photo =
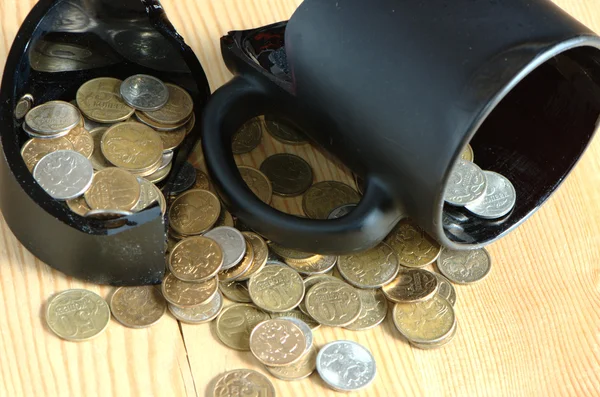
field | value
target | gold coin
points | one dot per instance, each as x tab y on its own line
243	382
322	264
194	212
82	141
424	322
370	269
413	246
142	118
178	108
113	189
247	138
333	303
34	149
236	322
374	307
78	206
185	294
468	153
292	254
77	314
300	316
138	307
299	370
277	342
311	281
148	171
100	100
99	162
172	139
199	314
261	254
160	175
439	343
202	181
132	146
411	285
235	272
276	289
225	219
236	291
196	259
323	197
257	182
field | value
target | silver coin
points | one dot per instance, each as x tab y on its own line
144	92
499	198
446	289
34	134
199	314
341	211
466	184
232	243
148	195
52	118
308	335
185	179
92	125
346	366
464	267
23	106
64	174
167	158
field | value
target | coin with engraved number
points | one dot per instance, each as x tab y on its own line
276	289
257	182
232	243
499	198
185	179
311	281
236	291
138	307
113	189
99	100
236	322
64	174
284	132
82	140
178	108
297	314
99	162
144	92
321	264
424	322
414	247
411	285
346	366
195	259
237	271
247	138
464	267
199	314
77	314
341	211
466	184
185	294
52	118
370	269
194	212
299	370
374	307
468	154
333	303
277	342
289	174
261	253
132	146
148	195
78	206
34	149
324	197
246	381
446	289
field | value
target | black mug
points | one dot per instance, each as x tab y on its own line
396	89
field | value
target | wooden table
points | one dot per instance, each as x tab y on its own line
531	328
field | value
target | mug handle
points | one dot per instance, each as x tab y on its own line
242	99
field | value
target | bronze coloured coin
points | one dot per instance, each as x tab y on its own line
324	197
276	289
178	108
299	370
132	146
468	153
374	308
277	342
99	162
195	259
185	294
289	174
194	212
78	206
236	291
225	219
320	264
172	139
142	118
235	272
370	269
413	246
284	132
333	303
202	181
34	149
99	100
82	140
113	189
247	138
257	182
261	254
411	285
199	314
424	322
246	381
292	254
138	307
236	322
310	281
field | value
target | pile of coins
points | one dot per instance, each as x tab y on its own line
103	153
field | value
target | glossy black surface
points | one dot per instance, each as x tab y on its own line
396	89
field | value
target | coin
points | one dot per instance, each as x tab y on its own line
23	106
199	314
247	138
132	146
290	175
195	259
113	189
108	214
77	314
291	254
148	195
465	267
257	182
235	272
295	313
468	154
202	181
172	139
414	247
82	140
99	162
185	294
276	289
185	179
411	285
324	197
284	132
465	184
99	100
225	219
34	134
369	269
178	108
232	243
360	184
64	174
322	264
499	198
236	291
34	149
161	201
137	307
142	118
310	282
248	382
194	212
144	92
277	342
333	303
346	366
52	118
78	206
438	343
236	322
341	211
160	174
306	330
424	322
261	252
446	289
301	369
373	310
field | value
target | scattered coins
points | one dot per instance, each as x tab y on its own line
346	366
138	307
247	138
323	197
464	267
246	381
289	174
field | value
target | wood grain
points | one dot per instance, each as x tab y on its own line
530	329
